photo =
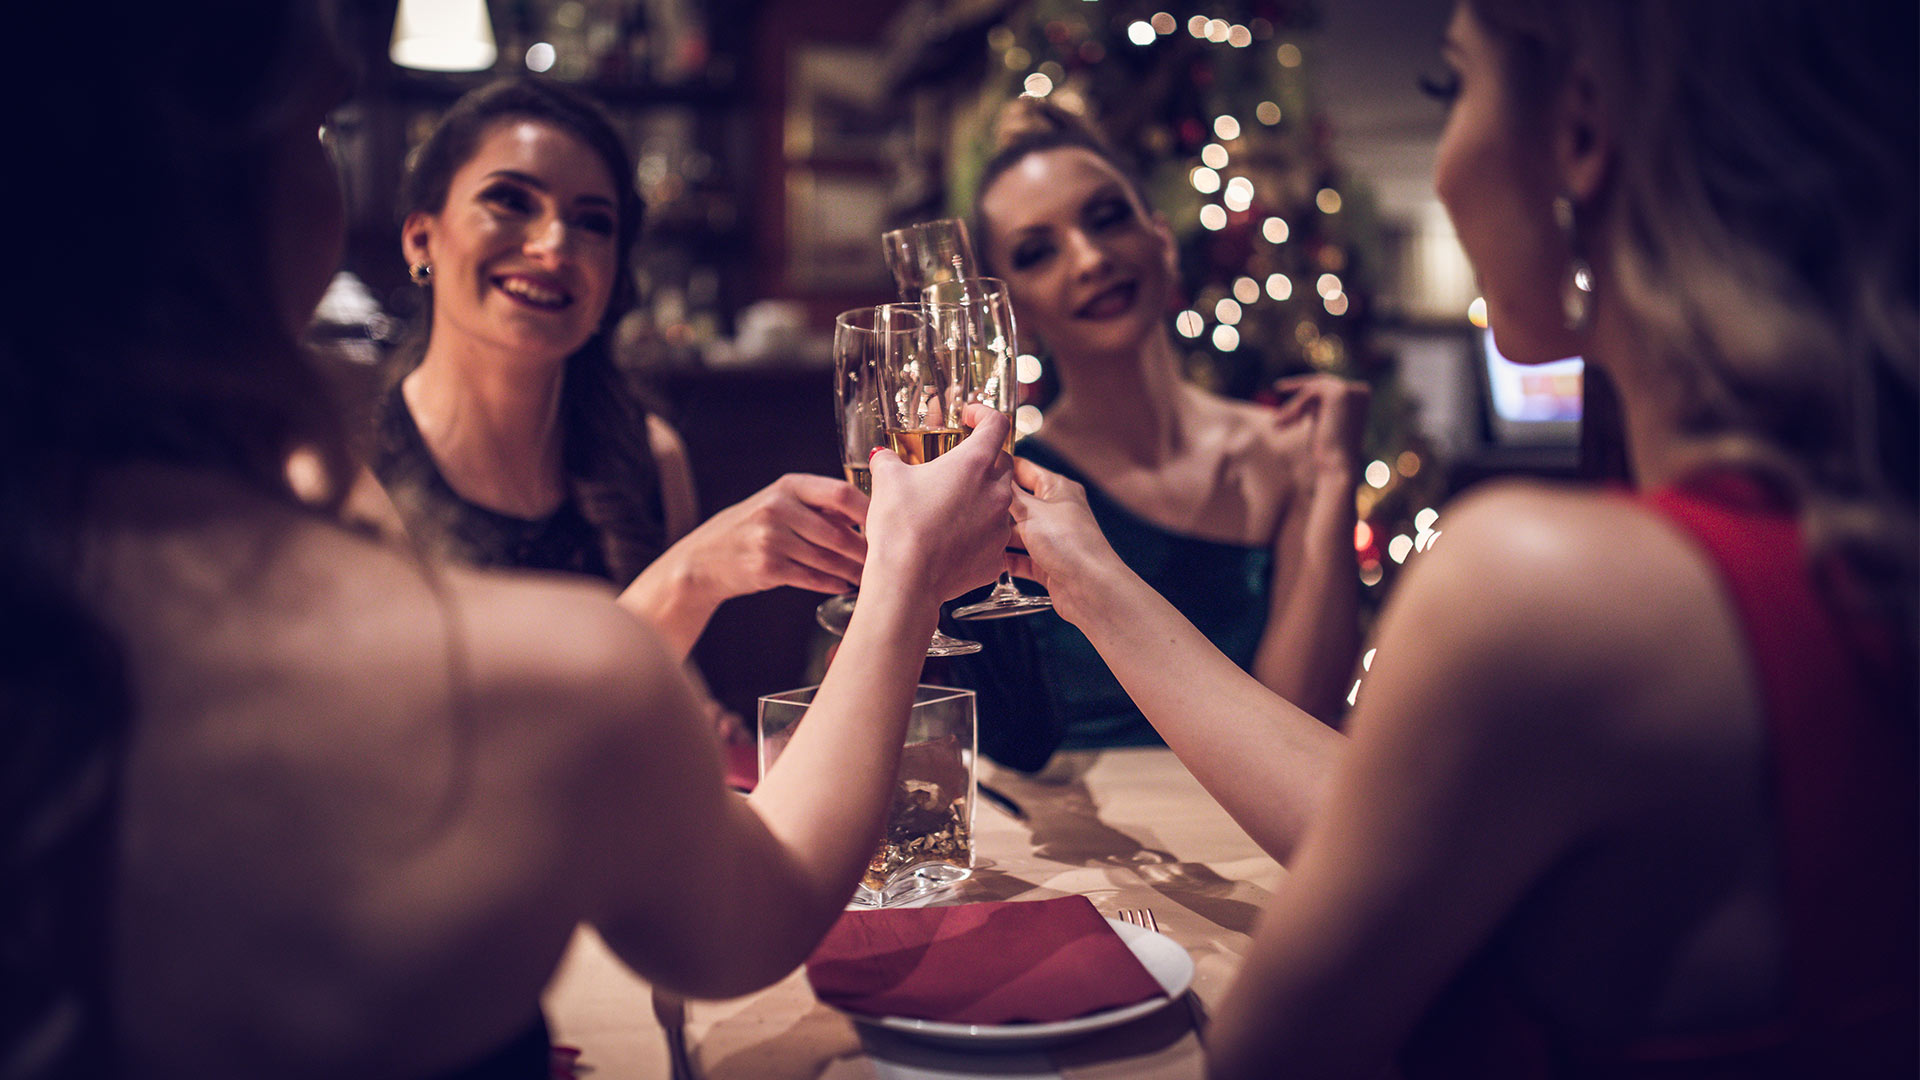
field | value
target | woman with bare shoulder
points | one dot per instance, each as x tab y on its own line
284	800
1240	514
1630	789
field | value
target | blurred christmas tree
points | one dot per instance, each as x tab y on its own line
1215	111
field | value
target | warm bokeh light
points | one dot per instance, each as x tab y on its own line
1227	311
1016	58
1205	180
1362	536
1328	200
1425	518
1214	156
443	35
1197	26
1246	290
1378	474
1164	23
1267	113
1239	194
1370	575
1279	286
1400	547
1141	33
1328	285
1226	338
1336	304
1477	312
1275	230
1213	217
540	56
1026	419
1027	368
1366	661
1038	85
1190	323
1239	36
1408	463
1288	54
1217	30
1226	127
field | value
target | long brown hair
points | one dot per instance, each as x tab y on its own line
143	326
1767	239
609	462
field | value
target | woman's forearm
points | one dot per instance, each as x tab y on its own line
1307	653
1263	759
820	800
672	596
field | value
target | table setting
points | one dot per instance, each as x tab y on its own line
1072	923
1119	830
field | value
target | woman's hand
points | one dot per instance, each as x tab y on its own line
1064	548
1336	409
945	521
800	530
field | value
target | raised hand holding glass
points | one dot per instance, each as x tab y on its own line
970	324
867	342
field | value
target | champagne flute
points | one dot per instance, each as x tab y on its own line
929	252
865	342
971	321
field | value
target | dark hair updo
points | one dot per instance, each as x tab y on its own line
1027	126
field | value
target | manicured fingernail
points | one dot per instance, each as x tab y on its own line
872	452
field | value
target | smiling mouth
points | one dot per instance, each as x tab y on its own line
1107	303
534	294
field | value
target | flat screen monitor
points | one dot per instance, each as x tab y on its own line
1531	404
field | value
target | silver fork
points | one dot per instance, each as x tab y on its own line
671	1012
1143	918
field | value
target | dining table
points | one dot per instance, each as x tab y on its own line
1128	828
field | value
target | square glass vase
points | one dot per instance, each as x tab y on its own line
928	845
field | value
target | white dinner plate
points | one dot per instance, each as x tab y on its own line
1165	960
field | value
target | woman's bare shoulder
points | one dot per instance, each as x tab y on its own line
1552	601
1254	433
557	642
675	470
509	644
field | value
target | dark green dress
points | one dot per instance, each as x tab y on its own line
1040	683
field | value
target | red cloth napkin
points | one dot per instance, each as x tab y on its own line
990	963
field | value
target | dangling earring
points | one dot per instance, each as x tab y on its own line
421	273
1576	291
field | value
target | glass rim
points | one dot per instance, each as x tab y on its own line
939	694
990	287
850	318
922	226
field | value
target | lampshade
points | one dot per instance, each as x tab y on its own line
443	35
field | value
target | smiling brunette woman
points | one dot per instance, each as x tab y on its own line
513	440
1241	515
278	799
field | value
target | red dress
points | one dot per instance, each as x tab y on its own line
1840	715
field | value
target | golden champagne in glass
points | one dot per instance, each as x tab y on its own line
867	342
